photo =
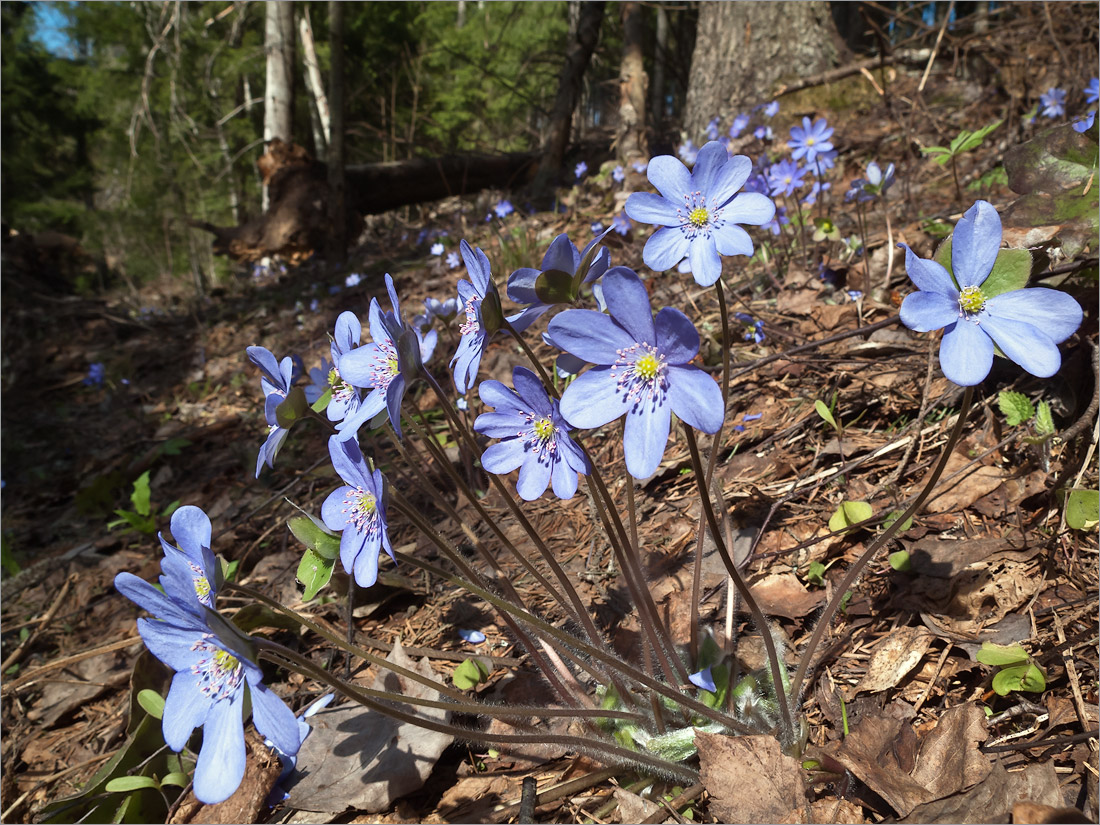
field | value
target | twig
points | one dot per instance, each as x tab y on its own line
25	645
936	47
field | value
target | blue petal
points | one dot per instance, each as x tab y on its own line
504	456
147	597
670	177
184	710
497	395
710	160
731	239
394	394
645	437
751	208
366	563
1025	344
696	398
929	276
499	425
521	286
665	248
262	358
274	720
677	339
730	177
703	679
191	530
628	303
589	335
531	390
534	478
593	399
1057	313
332	510
348	332
966	353
563	478
647	207
561	255
706	265
348	461
926	311
975	243
172	645
220	767
352	543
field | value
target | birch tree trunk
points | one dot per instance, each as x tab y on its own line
319	108
337	250
279	89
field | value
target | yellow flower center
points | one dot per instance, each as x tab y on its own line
810	141
971	300
544	429
698	216
647	366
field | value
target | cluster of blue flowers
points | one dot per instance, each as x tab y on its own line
1052	104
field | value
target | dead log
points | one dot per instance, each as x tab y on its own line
297	222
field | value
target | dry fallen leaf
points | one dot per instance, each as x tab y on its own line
750	779
894	657
871	752
949	760
991	800
782	594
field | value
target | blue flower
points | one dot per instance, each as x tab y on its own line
475	294
319	381
353	280
1085	123
712	129
504	208
699	212
809	140
738	125
876	183
621	223
1025	324
703	678
385	366
474	637
580	170
533	437
358	510
1092	91
642	370
780	220
763	133
785	177
815	190
772	109
445	311
688	152
452	260
824	162
95	375
214	670
618	174
190	570
437	249
275	382
1053	101
640	166
561	256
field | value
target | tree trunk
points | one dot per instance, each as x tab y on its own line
657	87
319	111
279	89
582	42
743	49
633	81
337	250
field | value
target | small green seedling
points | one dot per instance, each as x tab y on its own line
901	561
827	414
849	514
470	674
964	142
143	518
322	550
1018	409
816	574
1018	671
1083	509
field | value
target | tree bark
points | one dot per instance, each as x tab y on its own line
582	42
633	84
279	89
742	49
657	86
337	250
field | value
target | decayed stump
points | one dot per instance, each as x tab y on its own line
296	223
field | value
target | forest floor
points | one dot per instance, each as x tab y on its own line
992	558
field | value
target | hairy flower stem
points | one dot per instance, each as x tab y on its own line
618	754
866	253
712	460
854	571
759	619
802	231
546	382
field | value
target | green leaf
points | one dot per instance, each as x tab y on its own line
140	497
1028	677
1015	407
152	702
314	572
825	413
1011	269
1083	509
894	516
293	408
173	446
176	779
470	674
321	403
1044	421
315	536
848	514
900	561
816	574
122	784
1001	655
